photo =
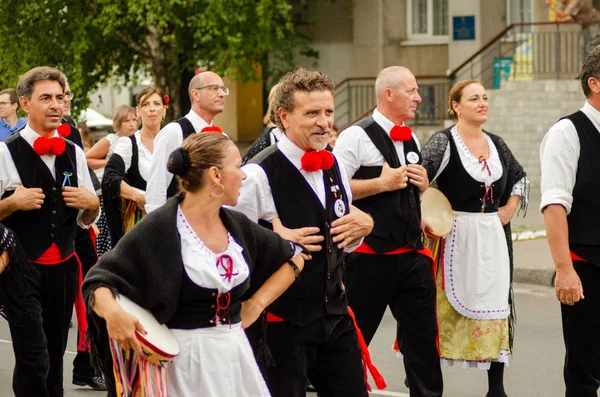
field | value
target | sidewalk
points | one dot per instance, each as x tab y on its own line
533	262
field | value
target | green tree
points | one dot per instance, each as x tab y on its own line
95	40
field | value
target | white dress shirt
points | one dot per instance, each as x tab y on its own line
167	140
124	148
474	168
559	155
354	148
9	176
256	198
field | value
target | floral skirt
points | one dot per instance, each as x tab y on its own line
472	343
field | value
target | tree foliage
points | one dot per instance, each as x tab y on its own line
94	40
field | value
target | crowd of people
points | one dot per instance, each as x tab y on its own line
276	269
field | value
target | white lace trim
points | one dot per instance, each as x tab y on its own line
141	148
201	263
503	356
472	164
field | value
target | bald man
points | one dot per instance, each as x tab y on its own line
207	96
383	158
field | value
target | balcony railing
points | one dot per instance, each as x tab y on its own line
522	51
355	99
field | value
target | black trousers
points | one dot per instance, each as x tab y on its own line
405	284
581	333
40	344
326	351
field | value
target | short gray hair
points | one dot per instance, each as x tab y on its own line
387	78
40	73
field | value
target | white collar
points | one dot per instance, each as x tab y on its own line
30	135
591	112
290	150
384	122
198	122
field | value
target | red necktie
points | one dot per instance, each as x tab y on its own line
400	133
317	160
54	146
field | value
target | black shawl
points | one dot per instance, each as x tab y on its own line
263	142
433	152
147	267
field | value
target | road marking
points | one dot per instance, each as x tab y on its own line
10	343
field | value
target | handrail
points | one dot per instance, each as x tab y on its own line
491	42
419	77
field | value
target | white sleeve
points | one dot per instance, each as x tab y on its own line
517	189
559	155
256	199
167	140
9	176
348	149
84	180
124	148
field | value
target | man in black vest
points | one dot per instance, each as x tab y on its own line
207	95
570	184
46	192
383	158
299	187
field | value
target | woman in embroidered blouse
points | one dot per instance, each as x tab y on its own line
485	184
197	250
128	169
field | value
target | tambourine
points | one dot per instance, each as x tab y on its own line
159	344
437	212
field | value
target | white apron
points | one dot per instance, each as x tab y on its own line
477	266
215	362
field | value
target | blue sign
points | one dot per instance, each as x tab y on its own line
463	28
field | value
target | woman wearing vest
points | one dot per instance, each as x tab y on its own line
485	185
128	169
199	252
125	124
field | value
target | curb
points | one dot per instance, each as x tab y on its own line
543	277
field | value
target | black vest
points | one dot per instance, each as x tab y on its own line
54	222
187	129
464	192
396	214
584	230
318	291
133	176
197	306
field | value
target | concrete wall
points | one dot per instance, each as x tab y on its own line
521	112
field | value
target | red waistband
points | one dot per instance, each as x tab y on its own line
365	249
51	256
576	257
273	318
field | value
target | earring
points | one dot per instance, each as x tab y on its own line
222	190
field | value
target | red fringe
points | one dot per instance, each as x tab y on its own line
366	357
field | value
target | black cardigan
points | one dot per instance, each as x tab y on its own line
147	267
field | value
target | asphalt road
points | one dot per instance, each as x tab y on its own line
535	369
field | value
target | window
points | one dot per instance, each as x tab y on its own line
427	20
520	11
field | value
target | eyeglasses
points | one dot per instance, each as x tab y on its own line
69	95
2	104
215	88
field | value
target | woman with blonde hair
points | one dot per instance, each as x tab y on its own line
202	256
128	169
485	185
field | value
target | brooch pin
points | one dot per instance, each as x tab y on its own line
67	179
